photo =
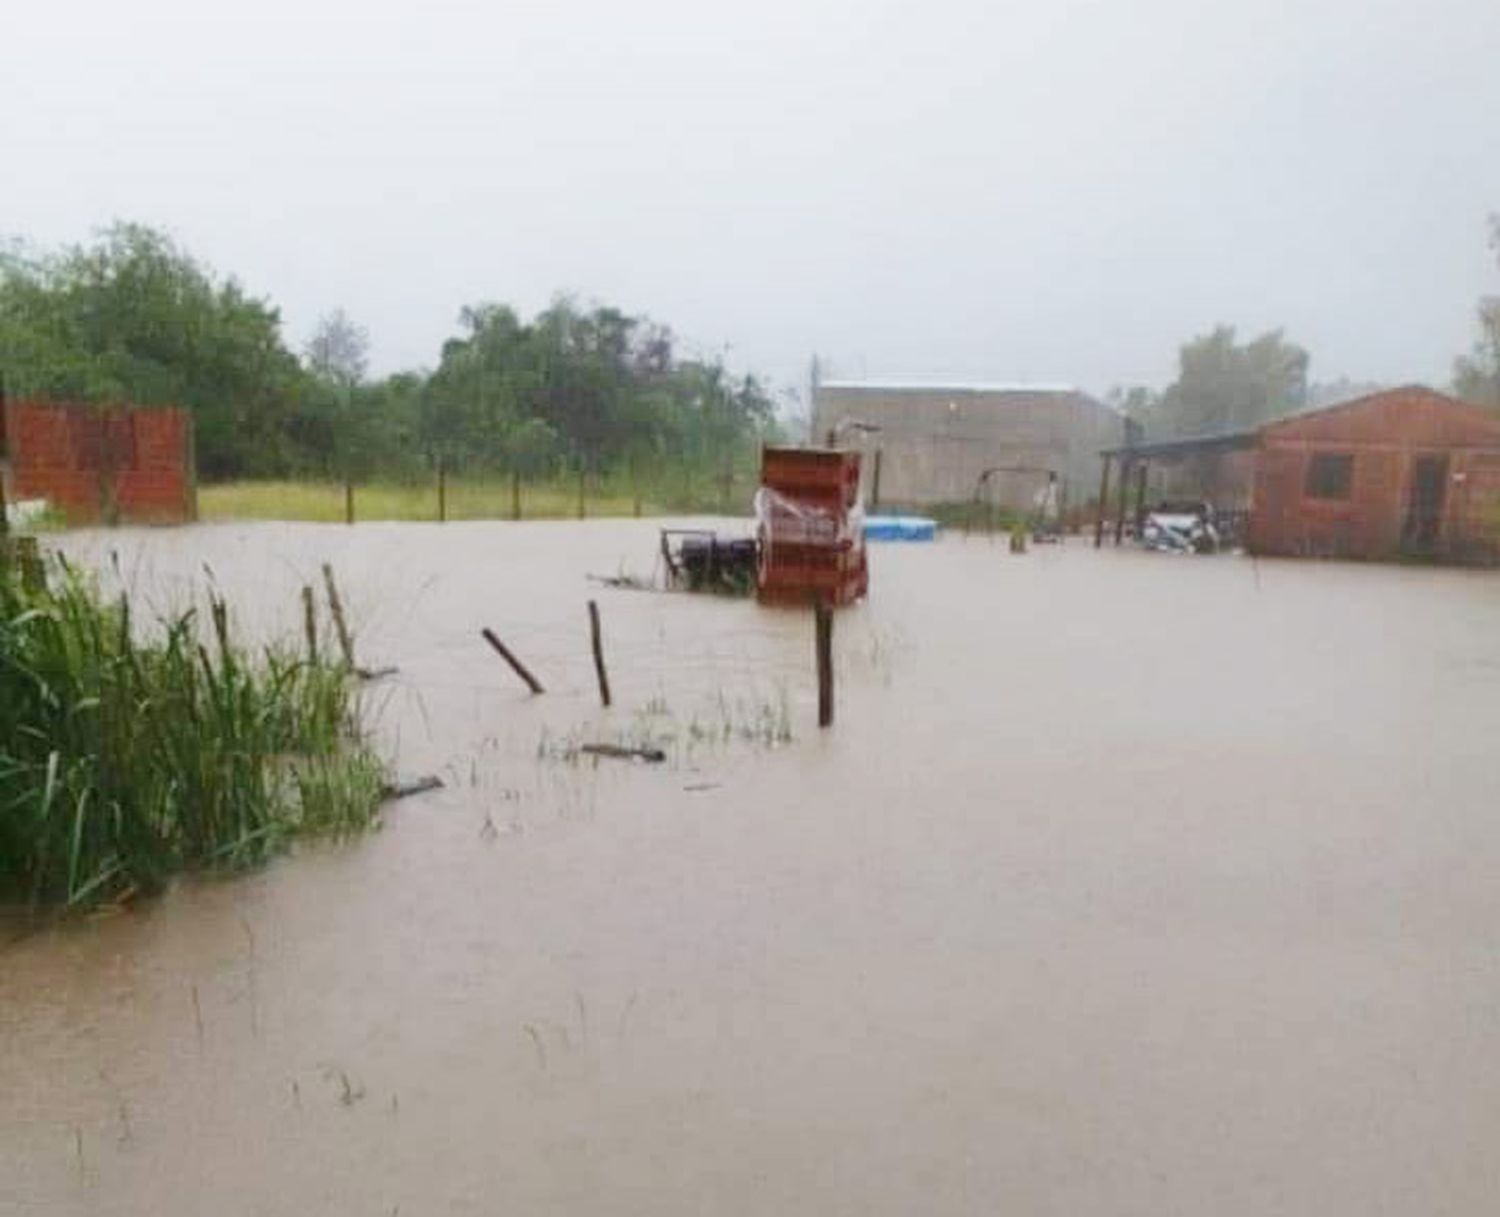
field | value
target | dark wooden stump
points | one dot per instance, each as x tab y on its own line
823	636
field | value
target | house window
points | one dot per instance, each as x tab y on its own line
1330	475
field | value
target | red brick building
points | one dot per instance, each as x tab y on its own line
91	463
1404	472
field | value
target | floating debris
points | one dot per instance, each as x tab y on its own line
654	756
633	583
402	790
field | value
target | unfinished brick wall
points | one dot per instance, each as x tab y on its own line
129	464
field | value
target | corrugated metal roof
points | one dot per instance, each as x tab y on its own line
1218	441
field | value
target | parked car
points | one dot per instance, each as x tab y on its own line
1182	526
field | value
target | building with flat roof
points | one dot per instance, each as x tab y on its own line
932	442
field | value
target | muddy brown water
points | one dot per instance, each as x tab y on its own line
1123	885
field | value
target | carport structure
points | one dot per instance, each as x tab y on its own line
1134	461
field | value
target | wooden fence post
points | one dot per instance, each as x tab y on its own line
310	624
581	491
823	640
442	475
348	501
515	495
598	645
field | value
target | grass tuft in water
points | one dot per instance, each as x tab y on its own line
759	721
123	762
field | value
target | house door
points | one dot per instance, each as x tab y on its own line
1424	505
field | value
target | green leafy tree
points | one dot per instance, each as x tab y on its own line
531	448
1476	376
1136	402
606	387
133	318
1223	385
339	350
334	409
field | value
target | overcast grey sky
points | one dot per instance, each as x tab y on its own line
1055	190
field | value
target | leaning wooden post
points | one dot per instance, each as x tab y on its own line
823	638
598	644
336	607
1124	493
1103	504
348	501
517	666
581	490
310	624
515	494
442	479
875	482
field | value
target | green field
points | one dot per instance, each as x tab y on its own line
468	498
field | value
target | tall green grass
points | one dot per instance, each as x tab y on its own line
124	761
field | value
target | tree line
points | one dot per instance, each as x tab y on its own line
132	317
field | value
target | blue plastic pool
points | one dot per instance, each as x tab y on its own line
900	528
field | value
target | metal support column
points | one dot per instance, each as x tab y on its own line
1140	496
1103	504
1125	466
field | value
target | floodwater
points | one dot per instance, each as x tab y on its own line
1123	884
